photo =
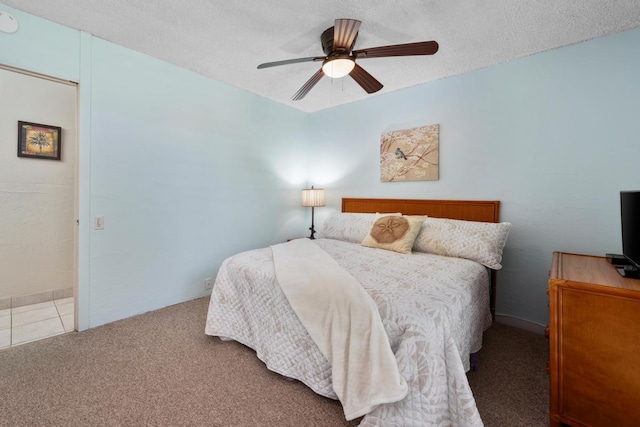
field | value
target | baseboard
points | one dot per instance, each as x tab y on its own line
520	323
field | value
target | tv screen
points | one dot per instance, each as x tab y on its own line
630	211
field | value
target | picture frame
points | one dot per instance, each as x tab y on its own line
39	141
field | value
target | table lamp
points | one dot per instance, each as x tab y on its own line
312	197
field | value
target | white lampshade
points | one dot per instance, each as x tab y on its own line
313	197
338	67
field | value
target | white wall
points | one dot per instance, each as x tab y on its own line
553	136
36	195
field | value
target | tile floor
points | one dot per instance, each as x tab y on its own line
28	323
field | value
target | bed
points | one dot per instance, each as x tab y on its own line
434	304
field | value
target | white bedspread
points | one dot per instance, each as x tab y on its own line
433	308
344	322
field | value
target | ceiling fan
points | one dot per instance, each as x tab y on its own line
340	58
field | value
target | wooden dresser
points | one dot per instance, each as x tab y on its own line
594	343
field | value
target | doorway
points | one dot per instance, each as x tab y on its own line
38	206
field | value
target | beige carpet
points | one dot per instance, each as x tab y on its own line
159	369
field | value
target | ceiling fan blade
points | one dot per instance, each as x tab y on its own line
291	61
344	33
407	49
366	80
304	90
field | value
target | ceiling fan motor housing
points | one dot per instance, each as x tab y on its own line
327	42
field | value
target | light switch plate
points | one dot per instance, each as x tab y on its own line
99	223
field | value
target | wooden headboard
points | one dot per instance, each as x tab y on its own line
469	210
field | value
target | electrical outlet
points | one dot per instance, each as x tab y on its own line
208	284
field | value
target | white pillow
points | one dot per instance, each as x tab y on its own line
478	241
394	233
348	227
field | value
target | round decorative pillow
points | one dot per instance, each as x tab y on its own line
388	229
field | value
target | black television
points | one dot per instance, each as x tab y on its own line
630	222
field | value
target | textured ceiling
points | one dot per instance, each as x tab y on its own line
226	40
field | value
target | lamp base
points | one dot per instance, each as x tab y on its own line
312	228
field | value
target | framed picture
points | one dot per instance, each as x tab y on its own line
39	141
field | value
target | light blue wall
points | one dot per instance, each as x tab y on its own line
554	137
185	170
41	46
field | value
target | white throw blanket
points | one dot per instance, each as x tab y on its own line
345	324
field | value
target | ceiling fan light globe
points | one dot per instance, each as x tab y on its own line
338	67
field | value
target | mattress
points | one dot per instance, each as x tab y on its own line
434	310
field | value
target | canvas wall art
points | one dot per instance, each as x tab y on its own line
410	154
